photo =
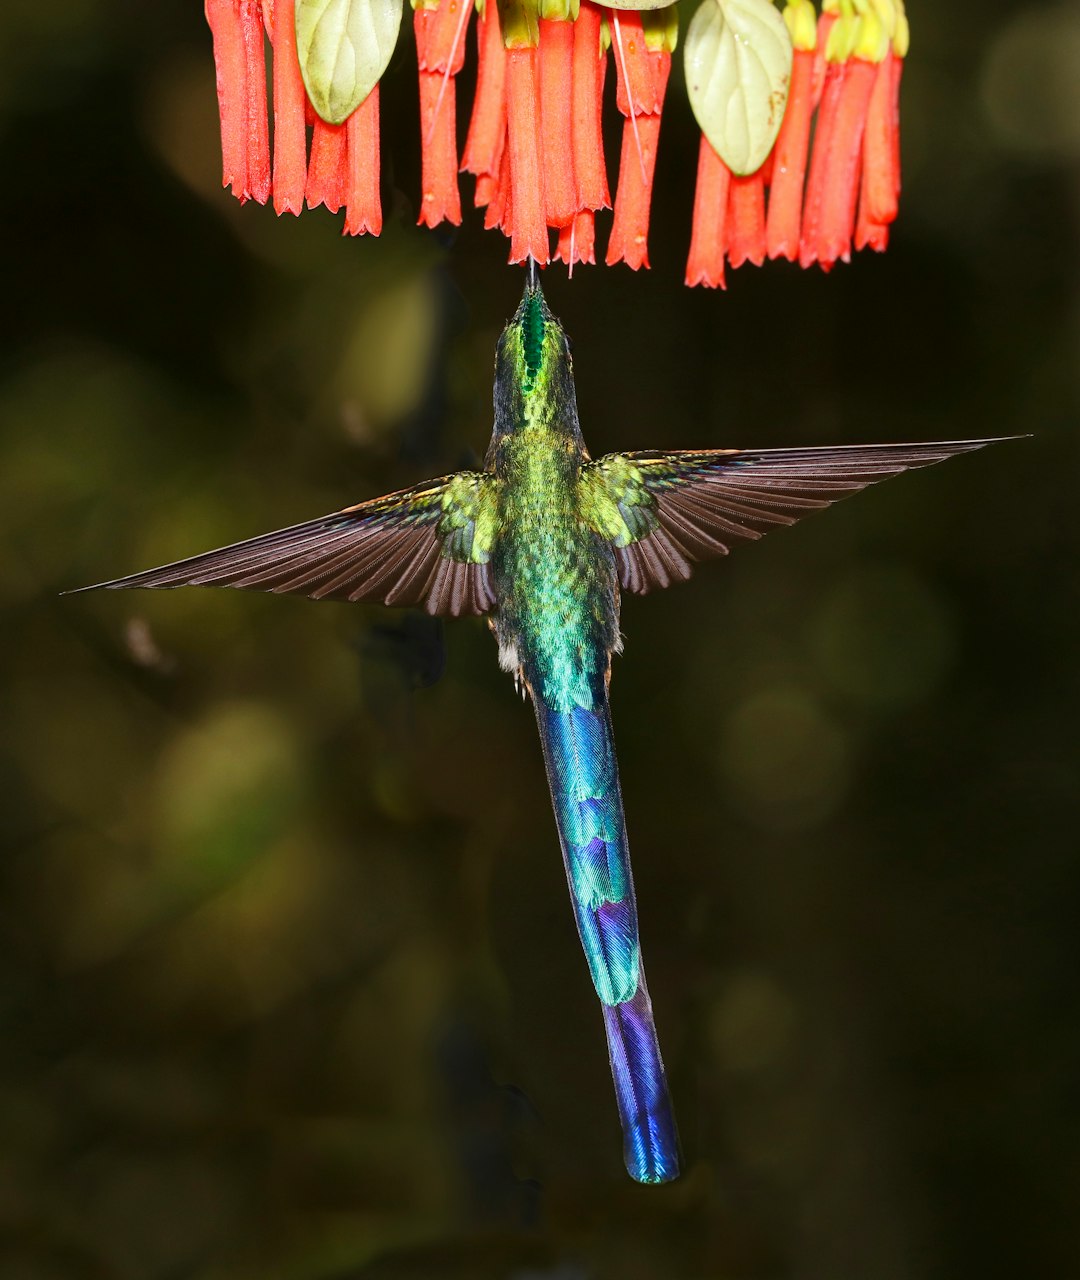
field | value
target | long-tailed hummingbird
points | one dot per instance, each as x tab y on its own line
542	542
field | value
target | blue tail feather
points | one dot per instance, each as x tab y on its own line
650	1140
609	935
580	756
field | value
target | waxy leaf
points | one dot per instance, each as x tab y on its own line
738	67
639	4
344	47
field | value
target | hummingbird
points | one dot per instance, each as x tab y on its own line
542	542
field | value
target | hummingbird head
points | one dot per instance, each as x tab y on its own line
534	380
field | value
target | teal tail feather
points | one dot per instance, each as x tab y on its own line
579	752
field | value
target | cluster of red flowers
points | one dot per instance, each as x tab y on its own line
342	170
811	203
535	142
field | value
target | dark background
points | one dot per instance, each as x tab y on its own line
290	984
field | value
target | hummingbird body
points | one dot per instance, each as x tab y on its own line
557	624
556	619
542	542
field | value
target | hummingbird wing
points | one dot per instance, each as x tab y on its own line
424	546
665	511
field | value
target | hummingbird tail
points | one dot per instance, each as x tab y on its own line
650	1139
579	753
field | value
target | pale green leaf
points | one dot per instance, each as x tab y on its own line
640	4
344	47
738	68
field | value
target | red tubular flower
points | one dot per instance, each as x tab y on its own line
842	155
868	234
240	59
789	162
228	32
486	186
660	65
290	103
819	163
635	92
746	219
641	134
440	35
830	75
487	128
577	242
589	70
879	193
555	54
498	209
881	152
708	242
440	54
327	177
363	208
440	199
258	177
629	241
825	24
897	75
528	228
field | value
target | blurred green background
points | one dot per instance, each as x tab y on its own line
290	984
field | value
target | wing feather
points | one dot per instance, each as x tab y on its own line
676	564
419	546
415	575
664	511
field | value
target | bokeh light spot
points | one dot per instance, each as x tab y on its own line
1030	83
785	761
752	1023
225	789
383	372
883	636
182	123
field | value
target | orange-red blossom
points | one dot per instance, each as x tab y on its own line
342	170
811	203
535	141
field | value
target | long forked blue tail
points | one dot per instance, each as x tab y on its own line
579	752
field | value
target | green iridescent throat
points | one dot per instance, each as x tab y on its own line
532	339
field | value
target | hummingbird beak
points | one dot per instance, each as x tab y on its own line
532	277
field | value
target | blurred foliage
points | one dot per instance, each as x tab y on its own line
289	983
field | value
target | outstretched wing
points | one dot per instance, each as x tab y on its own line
426	546
664	511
